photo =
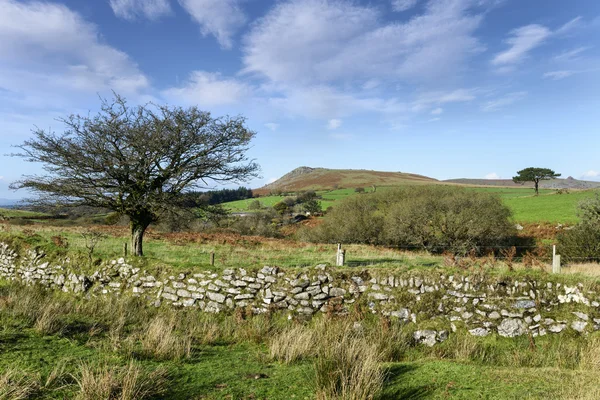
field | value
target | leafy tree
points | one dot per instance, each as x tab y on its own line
136	160
281	207
255	205
535	175
313	206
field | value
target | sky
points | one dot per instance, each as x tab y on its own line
443	88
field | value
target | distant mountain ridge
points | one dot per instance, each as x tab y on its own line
308	178
568	183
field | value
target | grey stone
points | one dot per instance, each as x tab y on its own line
581	315
336	292
511	327
427	337
378	296
216	297
479	332
524	304
579	326
183	293
494	315
557	328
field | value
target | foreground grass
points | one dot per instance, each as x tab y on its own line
96	349
190	250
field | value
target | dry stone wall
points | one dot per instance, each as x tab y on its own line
436	302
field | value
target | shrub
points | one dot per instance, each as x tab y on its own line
281	207
312	206
255	205
359	190
428	218
582	242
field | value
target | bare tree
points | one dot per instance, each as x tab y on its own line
137	160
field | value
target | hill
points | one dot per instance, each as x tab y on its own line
568	183
306	178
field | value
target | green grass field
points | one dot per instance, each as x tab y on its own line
12	213
547	207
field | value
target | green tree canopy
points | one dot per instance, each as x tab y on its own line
534	175
137	160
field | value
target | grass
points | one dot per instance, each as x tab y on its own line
109	348
14	213
192	250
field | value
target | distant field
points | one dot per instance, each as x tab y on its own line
11	213
547	207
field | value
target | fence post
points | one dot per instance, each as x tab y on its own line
340	256
555	261
212	258
124	249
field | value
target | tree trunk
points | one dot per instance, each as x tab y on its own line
137	235
536	186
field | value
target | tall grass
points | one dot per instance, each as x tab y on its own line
161	341
101	382
17	385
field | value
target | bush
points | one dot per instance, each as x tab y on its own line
255	205
428	218
582	242
359	190
312	206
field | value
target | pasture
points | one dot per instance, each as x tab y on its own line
549	206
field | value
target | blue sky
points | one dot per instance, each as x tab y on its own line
444	88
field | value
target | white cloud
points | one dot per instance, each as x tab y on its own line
426	100
318	41
403	5
557	75
49	51
437	111
132	9
220	18
569	26
333	124
521	42
433	119
1	178
209	89
501	102
591	174
492	175
571	54
272	126
323	101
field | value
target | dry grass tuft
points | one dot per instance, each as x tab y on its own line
128	383
17	385
161	341
293	344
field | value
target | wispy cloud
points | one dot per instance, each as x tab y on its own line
272	126
322	41
426	100
571	54
437	111
492	175
504	101
403	5
209	89
557	75
132	9
59	55
341	136
521	42
591	174
333	124
219	18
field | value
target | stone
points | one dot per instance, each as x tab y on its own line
336	292
494	315
524	304
511	327
216	297
378	296
581	315
183	293
557	328
481	332
426	337
579	326
403	313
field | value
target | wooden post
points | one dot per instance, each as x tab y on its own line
555	261
124	249
212	258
